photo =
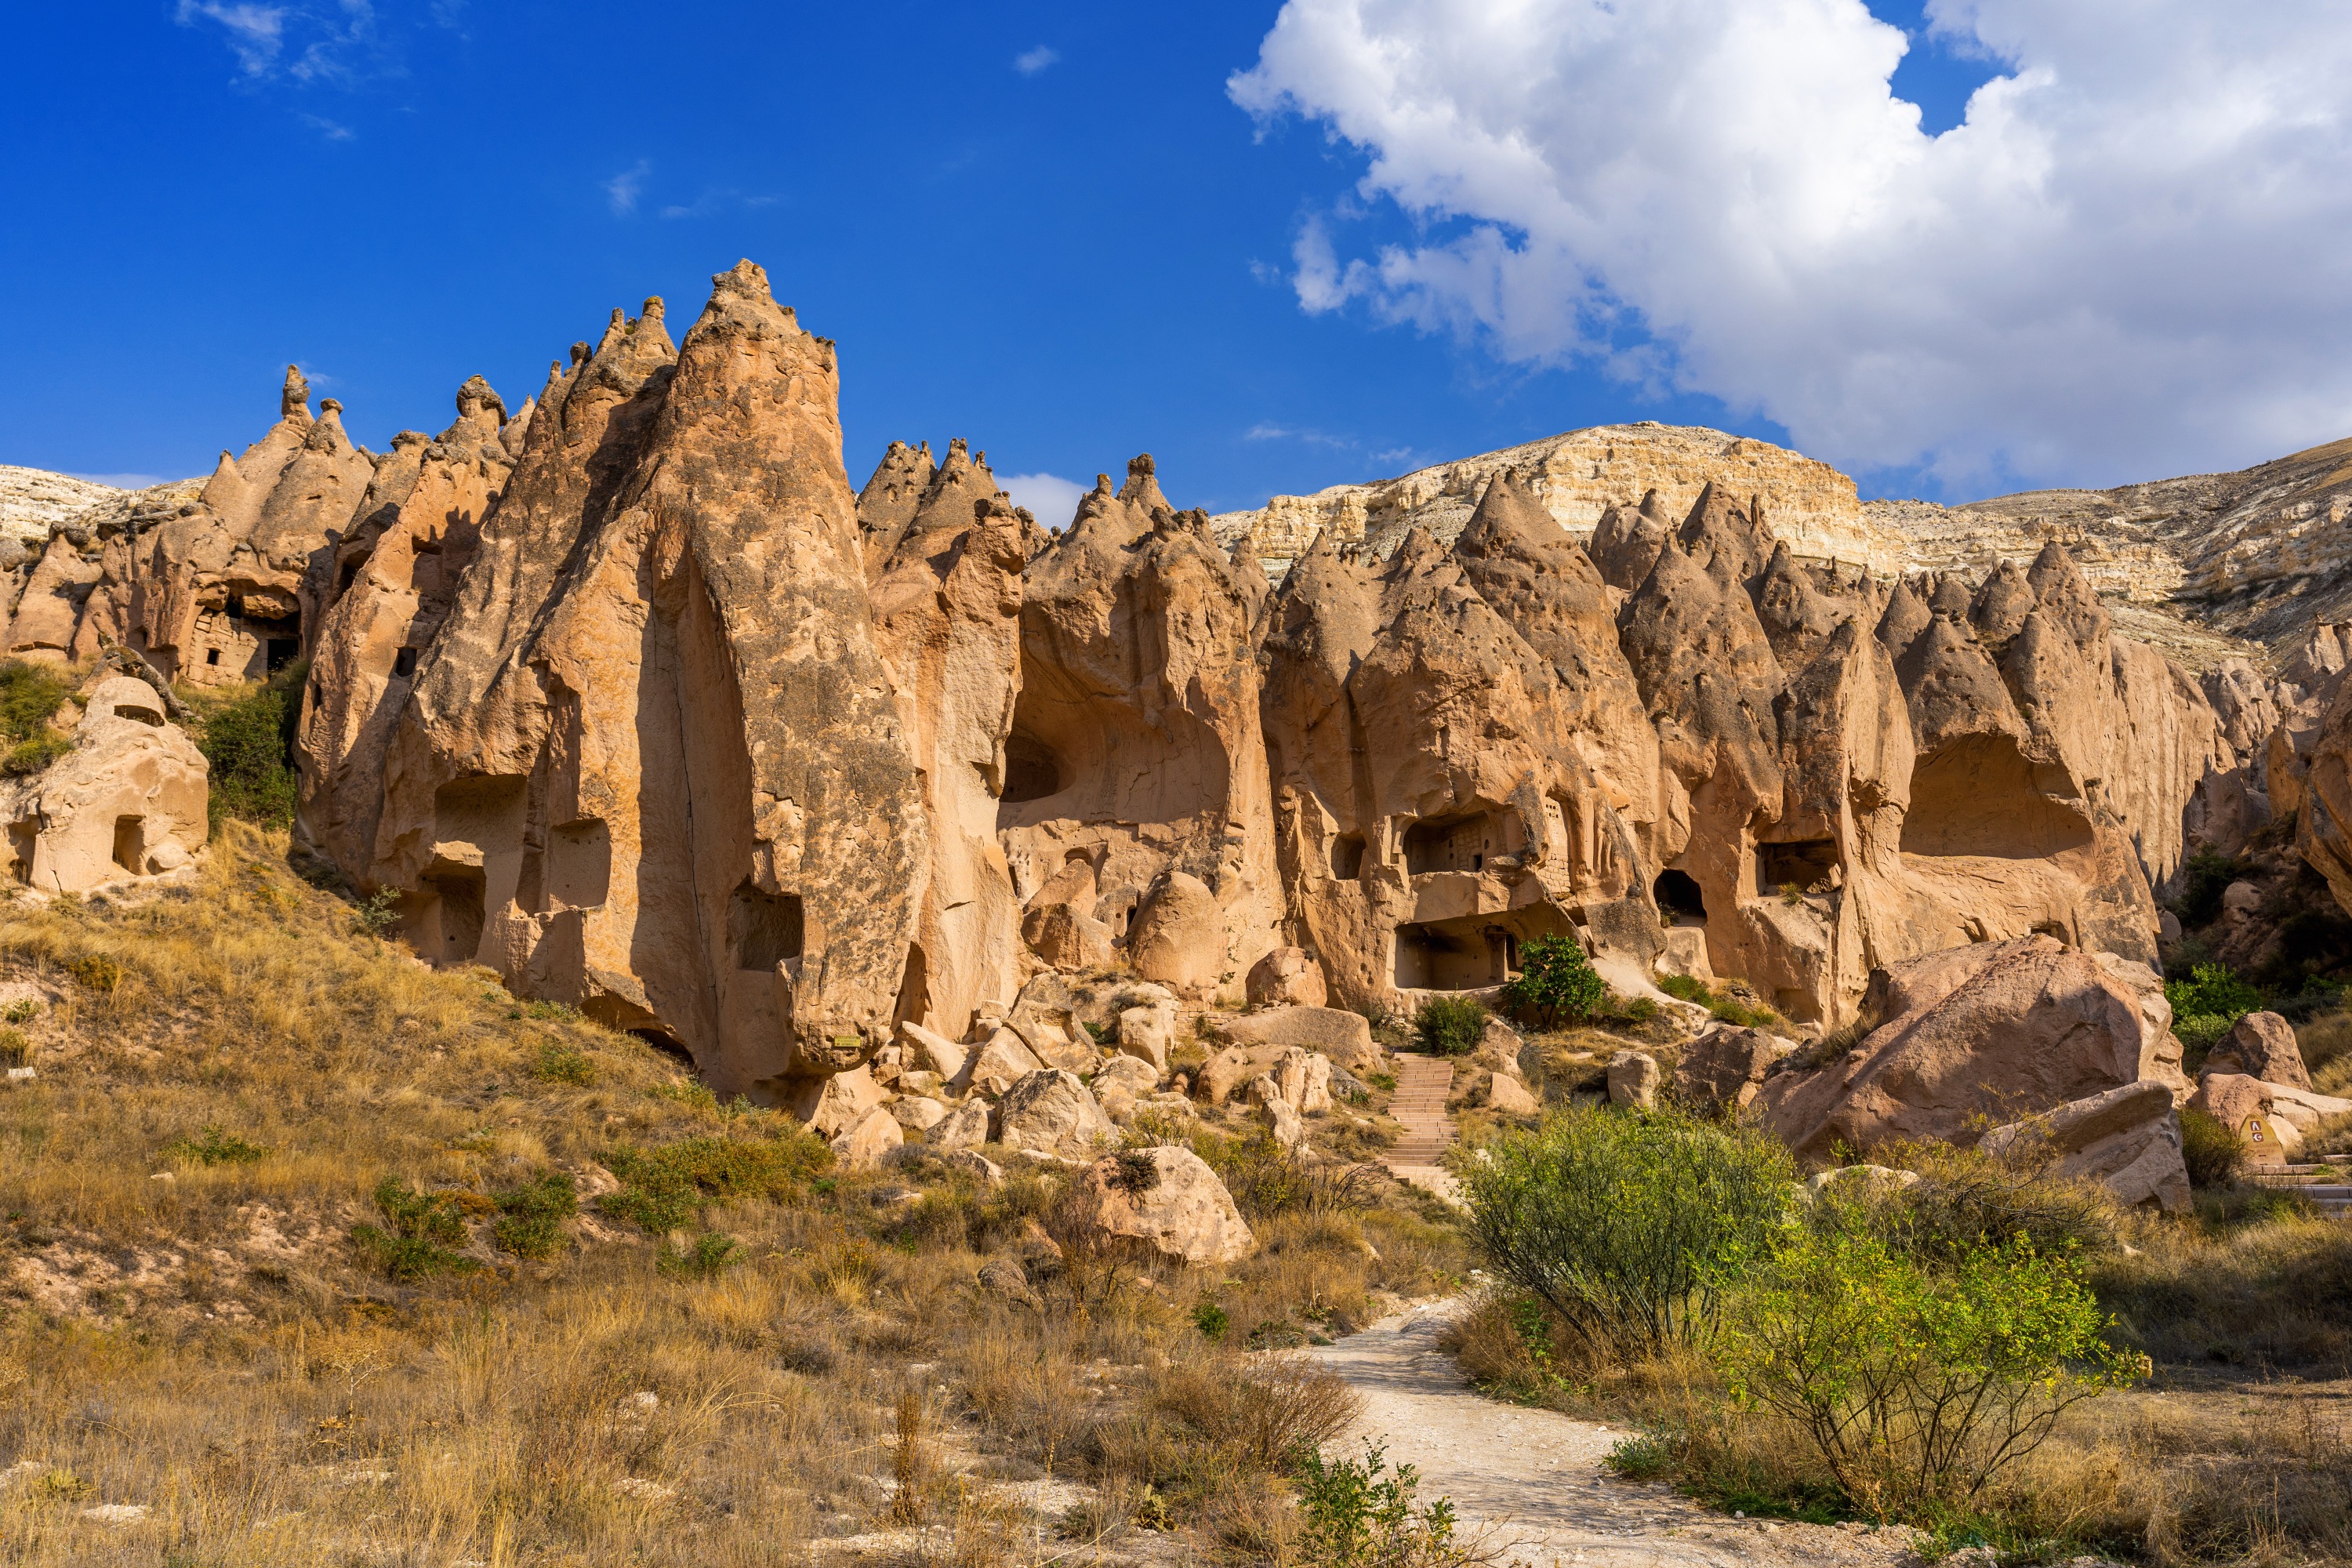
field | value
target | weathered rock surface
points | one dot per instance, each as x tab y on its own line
2262	1046
1345	1037
1633	1080
1167	1199
127	801
1051	1113
1723	1068
2127	1139
1286	977
2003	1030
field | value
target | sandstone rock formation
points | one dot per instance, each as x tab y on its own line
126	802
2127	1139
2262	1046
1168	1200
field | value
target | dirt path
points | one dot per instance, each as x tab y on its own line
1419	1106
1532	1479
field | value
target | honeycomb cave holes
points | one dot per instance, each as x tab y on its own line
1678	898
764	928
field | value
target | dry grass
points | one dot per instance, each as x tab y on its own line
215	1349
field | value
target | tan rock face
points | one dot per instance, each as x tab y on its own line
1997	1029
2262	1046
127	802
2127	1139
1170	1200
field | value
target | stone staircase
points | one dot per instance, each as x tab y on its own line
2328	1185
1419	1106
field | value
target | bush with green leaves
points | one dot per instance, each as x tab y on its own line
707	1257
30	694
214	1144
1627	1225
530	1216
559	1063
1359	1513
1556	983
2208	1003
2211	1149
2204	877
421	1233
1449	1026
1720	1005
664	1188
1915	1385
249	742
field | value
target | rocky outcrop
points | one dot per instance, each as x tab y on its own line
2127	1139
1995	1031
1167	1200
126	801
2262	1046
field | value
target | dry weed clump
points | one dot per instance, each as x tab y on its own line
319	1256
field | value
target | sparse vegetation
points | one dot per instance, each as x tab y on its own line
247	734
2208	1003
1721	1004
1555	983
1449	1026
30	696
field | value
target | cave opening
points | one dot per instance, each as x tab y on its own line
1678	897
1348	856
763	929
1032	771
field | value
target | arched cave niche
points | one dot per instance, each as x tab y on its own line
1032	770
1980	795
1678	897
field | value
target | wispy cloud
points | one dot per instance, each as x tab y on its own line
1029	62
712	203
255	33
1268	432
1051	498
327	128
620	192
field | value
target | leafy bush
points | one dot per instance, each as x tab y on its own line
2210	1148
1211	1320
30	695
708	1256
2211	990
1915	1386
1268	1178
425	1230
215	1145
1556	981
661	1189
95	972
2200	1032
530	1216
1966	1198
16	1050
24	1010
1358	1513
249	742
1449	1026
1626	1225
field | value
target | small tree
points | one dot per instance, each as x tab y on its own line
1449	1026
1626	1225
1556	981
1916	1386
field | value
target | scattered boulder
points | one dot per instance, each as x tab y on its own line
1633	1080
2272	1117
1290	1129
919	1112
1168	1199
1723	1068
1147	1030
863	1146
1305	1080
2125	1139
931	1052
1000	1063
1999	1031
1286	977
1223	1073
1507	1095
1128	1074
832	1106
1050	1112
1008	1281
1499	1049
978	1166
965	1126
2262	1046
1179	935
1345	1037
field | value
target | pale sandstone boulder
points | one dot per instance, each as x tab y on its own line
1505	1093
1131	1075
1169	1200
1633	1080
1179	935
2002	1029
1000	1063
1286	977
1147	1033
833	1105
865	1145
965	1126
2272	1117
2262	1046
1499	1049
128	801
1223	1073
978	1167
1068	938
2127	1139
1345	1037
1282	1120
1051	1113
919	1112
1723	1068
1118	1104
1304	1079
933	1052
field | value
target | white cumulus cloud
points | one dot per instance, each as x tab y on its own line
2129	261
1029	62
1051	498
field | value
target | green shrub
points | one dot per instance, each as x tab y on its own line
2199	1032
2204	877
249	742
422	1232
24	1010
2211	990
706	1257
30	695
1211	1320
1915	1386
1358	1513
16	1050
663	1188
1966	1198
1627	1225
1449	1026
1729	1009
216	1145
563	1064
95	972
2211	1149
530	1216
1556	981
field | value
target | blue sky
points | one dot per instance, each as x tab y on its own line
1047	228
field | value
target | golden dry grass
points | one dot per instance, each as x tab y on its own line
214	1350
